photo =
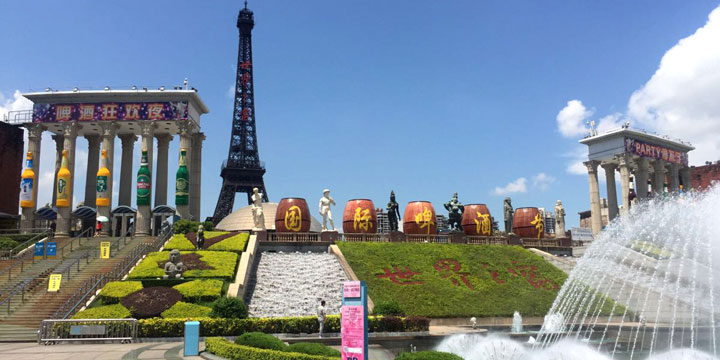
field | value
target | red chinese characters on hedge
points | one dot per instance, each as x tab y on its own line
450	269
529	273
400	277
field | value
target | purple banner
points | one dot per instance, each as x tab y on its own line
640	148
174	110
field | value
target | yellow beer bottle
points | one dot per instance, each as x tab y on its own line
102	197
63	183
27	183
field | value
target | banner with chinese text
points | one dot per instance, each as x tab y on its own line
640	148
119	111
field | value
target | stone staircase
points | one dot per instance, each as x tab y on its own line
26	314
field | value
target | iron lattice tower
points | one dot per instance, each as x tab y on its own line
243	170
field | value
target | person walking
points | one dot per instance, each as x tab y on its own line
321	316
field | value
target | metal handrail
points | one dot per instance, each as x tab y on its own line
12	253
18	288
53	331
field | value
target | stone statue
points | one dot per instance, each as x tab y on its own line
174	268
393	210
257	210
508	212
324	206
455	210
559	220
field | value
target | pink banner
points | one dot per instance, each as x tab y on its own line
351	289
353	332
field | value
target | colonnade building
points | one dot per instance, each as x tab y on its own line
647	158
153	116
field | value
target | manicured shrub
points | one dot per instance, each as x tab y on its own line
390	324
209	234
389	307
183	310
200	290
224	348
236	243
428	355
7	243
416	323
179	242
229	307
113	291
185	226
115	311
215	264
260	341
312	349
151	302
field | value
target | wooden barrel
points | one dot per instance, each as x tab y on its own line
476	220
419	218
293	215
359	217
525	223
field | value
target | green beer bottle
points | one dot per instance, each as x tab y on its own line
143	181
182	183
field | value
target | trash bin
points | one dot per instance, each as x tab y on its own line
192	338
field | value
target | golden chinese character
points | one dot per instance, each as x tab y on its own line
155	111
425	219
539	225
87	112
484	226
63	112
293	218
362	219
132	112
109	112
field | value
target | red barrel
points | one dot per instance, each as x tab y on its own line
293	215
476	220
420	218
528	222
360	217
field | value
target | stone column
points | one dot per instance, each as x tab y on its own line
59	142
685	177
92	169
64	213
674	177
658	181
126	175
611	190
144	214
595	215
108	143
641	178
27	218
186	127
624	166
161	174
196	175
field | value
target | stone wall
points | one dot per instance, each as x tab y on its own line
11	162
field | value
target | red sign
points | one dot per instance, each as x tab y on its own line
353	332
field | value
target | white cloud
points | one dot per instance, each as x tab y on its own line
542	181
18	102
571	119
517	186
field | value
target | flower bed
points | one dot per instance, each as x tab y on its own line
115	311
203	290
209	264
214	240
183	310
150	302
113	291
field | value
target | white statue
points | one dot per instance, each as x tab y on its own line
257	210
324	205
559	220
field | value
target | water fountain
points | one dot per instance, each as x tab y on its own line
646	288
517	324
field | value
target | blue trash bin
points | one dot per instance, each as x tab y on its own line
192	338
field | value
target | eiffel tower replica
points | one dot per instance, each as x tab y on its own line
242	171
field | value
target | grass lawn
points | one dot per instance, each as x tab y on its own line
453	280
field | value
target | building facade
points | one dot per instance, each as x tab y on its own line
703	177
11	162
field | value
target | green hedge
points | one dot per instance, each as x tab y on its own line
183	310
179	242
261	341
491	280
7	243
185	226
236	243
228	350
428	355
203	290
222	262
157	327
113	291
312	349
115	311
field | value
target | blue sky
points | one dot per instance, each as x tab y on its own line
423	97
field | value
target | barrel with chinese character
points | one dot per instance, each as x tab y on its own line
476	220
419	218
359	217
293	215
528	222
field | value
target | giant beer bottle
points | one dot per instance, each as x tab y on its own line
182	183
143	181
27	183
63	183
103	175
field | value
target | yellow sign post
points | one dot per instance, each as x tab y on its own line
54	282
105	250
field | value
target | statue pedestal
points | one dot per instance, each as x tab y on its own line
396	236
329	236
456	237
260	235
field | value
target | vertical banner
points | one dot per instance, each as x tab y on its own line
51	250
54	282
39	250
104	249
353	325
